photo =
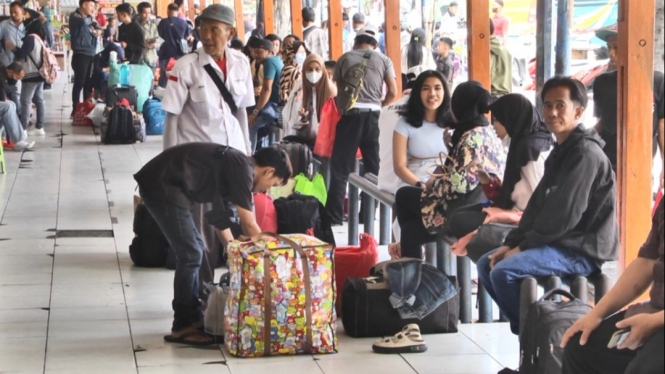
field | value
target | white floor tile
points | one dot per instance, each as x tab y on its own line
462	364
22	355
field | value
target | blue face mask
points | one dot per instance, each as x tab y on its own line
300	58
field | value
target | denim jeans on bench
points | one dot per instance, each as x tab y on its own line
503	282
178	226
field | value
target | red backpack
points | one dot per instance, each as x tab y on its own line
266	214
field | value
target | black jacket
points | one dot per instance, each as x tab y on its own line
574	206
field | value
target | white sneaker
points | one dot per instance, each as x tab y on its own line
23	145
36	132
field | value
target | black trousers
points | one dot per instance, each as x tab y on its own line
355	130
466	220
410	218
82	66
596	358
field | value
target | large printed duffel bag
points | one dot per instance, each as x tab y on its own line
282	297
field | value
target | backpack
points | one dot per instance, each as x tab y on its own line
301	157
120	129
544	326
49	70
299	214
154	116
351	84
150	247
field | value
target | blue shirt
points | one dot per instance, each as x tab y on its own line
172	29
9	32
272	69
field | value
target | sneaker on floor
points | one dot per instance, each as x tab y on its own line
23	145
36	132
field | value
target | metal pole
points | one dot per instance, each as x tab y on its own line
386	223
485	303
369	213
354	216
545	45
464	279
564	24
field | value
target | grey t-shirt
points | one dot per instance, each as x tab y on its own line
378	69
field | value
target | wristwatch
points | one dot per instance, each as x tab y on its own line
420	185
255	112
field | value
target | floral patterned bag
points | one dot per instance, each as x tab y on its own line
282	297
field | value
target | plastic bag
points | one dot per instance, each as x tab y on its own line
81	114
325	139
316	187
354	262
97	115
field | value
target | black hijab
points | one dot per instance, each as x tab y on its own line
529	138
469	104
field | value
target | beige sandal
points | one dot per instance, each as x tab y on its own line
408	340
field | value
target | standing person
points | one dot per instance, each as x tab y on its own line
294	57
358	23
416	54
84	33
197	111
32	90
182	11
586	342
9	119
266	110
48	14
277	43
12	31
315	38
449	21
172	29
151	35
501	66
444	62
185	176
605	95
569	226
110	34
501	22
317	88
130	34
359	126
101	19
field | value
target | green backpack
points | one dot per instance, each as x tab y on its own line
351	84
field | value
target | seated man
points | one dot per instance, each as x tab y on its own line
203	173
9	119
569	226
642	352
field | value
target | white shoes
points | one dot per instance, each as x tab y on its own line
23	145
33	131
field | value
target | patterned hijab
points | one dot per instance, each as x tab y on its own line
291	74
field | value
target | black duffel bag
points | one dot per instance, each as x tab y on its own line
367	311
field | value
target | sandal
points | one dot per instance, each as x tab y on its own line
182	339
408	340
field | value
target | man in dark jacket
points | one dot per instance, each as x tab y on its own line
84	32
569	226
172	30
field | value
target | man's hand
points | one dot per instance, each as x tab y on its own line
251	120
586	325
512	253
642	327
123	44
498	256
10	45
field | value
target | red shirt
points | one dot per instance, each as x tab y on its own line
500	26
222	67
101	19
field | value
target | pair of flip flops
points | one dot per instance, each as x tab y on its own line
185	339
409	340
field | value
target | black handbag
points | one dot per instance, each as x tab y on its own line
489	237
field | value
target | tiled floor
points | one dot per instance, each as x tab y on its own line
79	306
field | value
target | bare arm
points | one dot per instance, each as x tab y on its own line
266	91
392	91
400	145
248	222
225	236
170	131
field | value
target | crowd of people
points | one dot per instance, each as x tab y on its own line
451	167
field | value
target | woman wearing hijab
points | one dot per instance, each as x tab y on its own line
317	88
416	54
518	122
422	212
294	57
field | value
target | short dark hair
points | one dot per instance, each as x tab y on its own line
16	3
173	7
16	67
453	4
126	8
179	3
358	18
414	113
308	14
277	158
273	37
447	40
366	39
491	27
345	16
296	37
143	5
237	44
578	92
331	64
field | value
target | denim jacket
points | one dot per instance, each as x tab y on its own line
82	38
417	288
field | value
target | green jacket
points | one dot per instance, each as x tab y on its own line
501	65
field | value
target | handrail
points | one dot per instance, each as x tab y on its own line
371	189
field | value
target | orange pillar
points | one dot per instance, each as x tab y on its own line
216	1
335	28
393	31
478	15
269	14
636	43
240	19
296	17
192	10
162	8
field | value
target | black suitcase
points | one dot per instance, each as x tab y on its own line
367	311
116	94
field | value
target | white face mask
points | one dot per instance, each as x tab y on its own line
300	58
314	77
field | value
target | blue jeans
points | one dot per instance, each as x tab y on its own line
178	226
32	92
503	282
10	121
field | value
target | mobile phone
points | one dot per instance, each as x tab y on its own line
619	338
